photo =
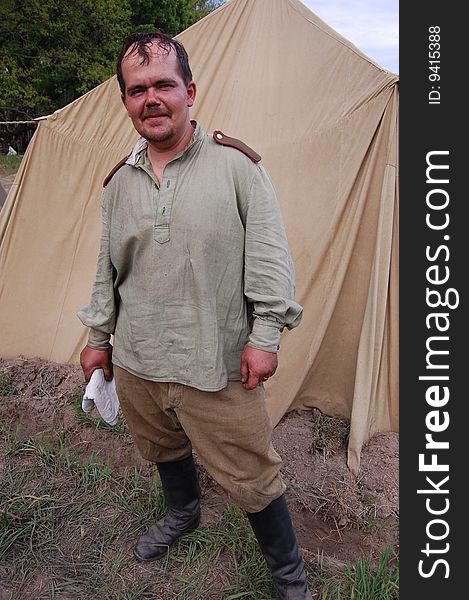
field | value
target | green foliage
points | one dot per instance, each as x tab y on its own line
9	164
201	8
52	51
169	16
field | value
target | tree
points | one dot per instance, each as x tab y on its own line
201	8
53	51
170	16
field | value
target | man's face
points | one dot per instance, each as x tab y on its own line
156	97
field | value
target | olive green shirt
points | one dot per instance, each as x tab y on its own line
191	269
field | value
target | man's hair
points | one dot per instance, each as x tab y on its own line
139	43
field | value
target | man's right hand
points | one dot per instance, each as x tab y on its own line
91	359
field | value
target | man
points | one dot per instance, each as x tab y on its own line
195	282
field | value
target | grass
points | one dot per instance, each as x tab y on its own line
328	434
7	388
73	522
68	524
9	164
365	581
96	422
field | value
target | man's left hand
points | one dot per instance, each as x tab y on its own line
257	366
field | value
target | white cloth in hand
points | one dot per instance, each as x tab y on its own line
103	395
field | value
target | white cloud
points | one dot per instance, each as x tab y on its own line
371	25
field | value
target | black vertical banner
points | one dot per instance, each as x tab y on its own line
434	259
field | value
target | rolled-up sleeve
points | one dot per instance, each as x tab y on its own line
100	314
269	279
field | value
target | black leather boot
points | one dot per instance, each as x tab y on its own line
273	529
182	494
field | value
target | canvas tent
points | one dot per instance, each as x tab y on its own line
324	118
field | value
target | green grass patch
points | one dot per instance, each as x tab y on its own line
68	526
225	556
7	388
9	164
364	581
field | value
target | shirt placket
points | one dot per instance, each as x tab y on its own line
165	198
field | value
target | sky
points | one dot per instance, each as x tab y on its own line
371	25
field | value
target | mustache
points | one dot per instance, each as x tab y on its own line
156	113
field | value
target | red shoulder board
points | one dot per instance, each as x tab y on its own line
224	140
120	164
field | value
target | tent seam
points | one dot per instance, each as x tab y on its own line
340	39
86	144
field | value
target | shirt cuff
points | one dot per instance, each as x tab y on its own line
98	340
264	336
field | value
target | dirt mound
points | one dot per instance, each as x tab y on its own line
37	378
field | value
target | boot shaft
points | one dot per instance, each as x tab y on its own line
182	494
274	531
180	482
